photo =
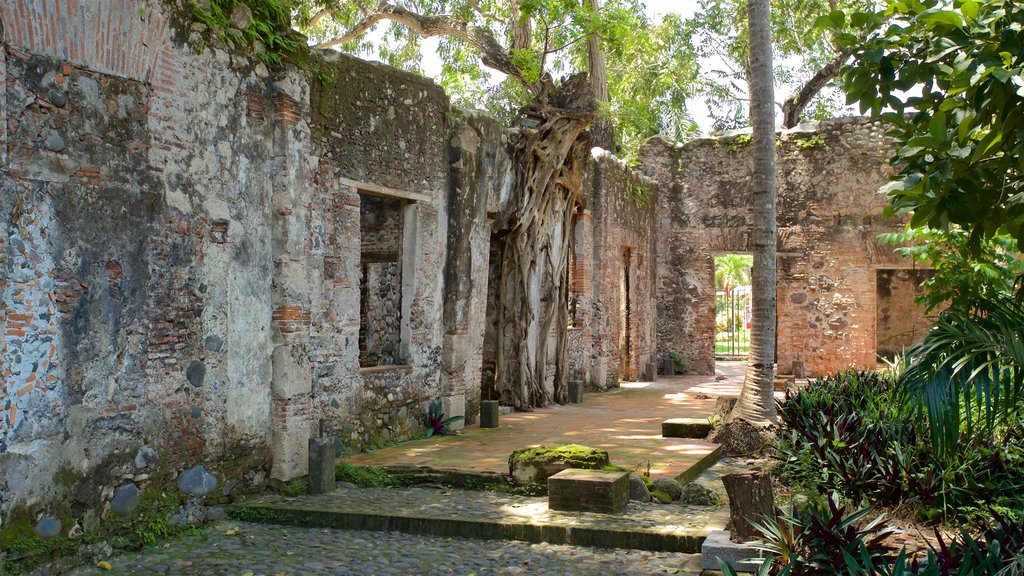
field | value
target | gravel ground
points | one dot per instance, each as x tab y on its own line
245	549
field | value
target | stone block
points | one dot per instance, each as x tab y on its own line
741	557
685	428
578	490
290	450
575	392
650	372
321	465
127	499
489	413
291	373
452	406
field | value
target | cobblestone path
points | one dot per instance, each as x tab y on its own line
245	549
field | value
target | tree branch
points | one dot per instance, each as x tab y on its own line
319	16
795	104
492	53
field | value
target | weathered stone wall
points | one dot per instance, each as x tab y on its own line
377	132
137	263
900	321
613	265
481	180
829	214
180	255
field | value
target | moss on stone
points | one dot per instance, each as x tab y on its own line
294	487
661	496
574	456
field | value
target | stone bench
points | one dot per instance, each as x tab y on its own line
686	428
577	490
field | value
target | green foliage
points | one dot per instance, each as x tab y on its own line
863	436
270	28
732	270
638	194
363	476
968	371
823	541
964	273
808	143
718	31
678	361
650	66
961	159
737	143
812	540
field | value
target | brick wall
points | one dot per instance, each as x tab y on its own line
829	215
614	253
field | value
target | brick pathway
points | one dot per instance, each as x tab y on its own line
626	422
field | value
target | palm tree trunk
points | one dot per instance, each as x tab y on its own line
757	402
601	132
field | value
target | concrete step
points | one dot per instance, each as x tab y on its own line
491	516
686	428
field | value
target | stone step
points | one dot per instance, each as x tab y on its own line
686	428
491	516
700	466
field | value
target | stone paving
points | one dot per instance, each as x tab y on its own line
626	422
245	549
490	515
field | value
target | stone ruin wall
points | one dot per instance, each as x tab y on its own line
615	224
179	246
829	215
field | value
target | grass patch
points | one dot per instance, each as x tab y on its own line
364	476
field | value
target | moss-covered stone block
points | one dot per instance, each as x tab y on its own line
535	465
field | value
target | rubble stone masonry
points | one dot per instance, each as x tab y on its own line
829	215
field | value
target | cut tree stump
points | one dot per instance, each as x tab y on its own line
750	500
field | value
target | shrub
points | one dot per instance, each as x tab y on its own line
813	540
861	436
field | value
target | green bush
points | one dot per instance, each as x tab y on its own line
863	437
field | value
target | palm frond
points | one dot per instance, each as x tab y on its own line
968	371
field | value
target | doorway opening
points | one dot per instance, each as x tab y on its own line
732	305
625	318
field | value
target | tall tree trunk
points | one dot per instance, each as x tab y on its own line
757	400
534	230
602	132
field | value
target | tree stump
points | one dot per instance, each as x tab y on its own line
750	501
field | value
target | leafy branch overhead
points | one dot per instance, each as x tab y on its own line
497	54
961	160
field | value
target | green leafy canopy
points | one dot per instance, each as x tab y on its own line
651	68
947	78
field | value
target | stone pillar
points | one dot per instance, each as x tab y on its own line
291	382
575	392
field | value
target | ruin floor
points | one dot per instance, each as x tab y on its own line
626	422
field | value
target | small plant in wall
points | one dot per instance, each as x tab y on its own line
434	420
679	363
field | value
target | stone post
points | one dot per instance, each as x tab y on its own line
321	464
489	413
575	392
